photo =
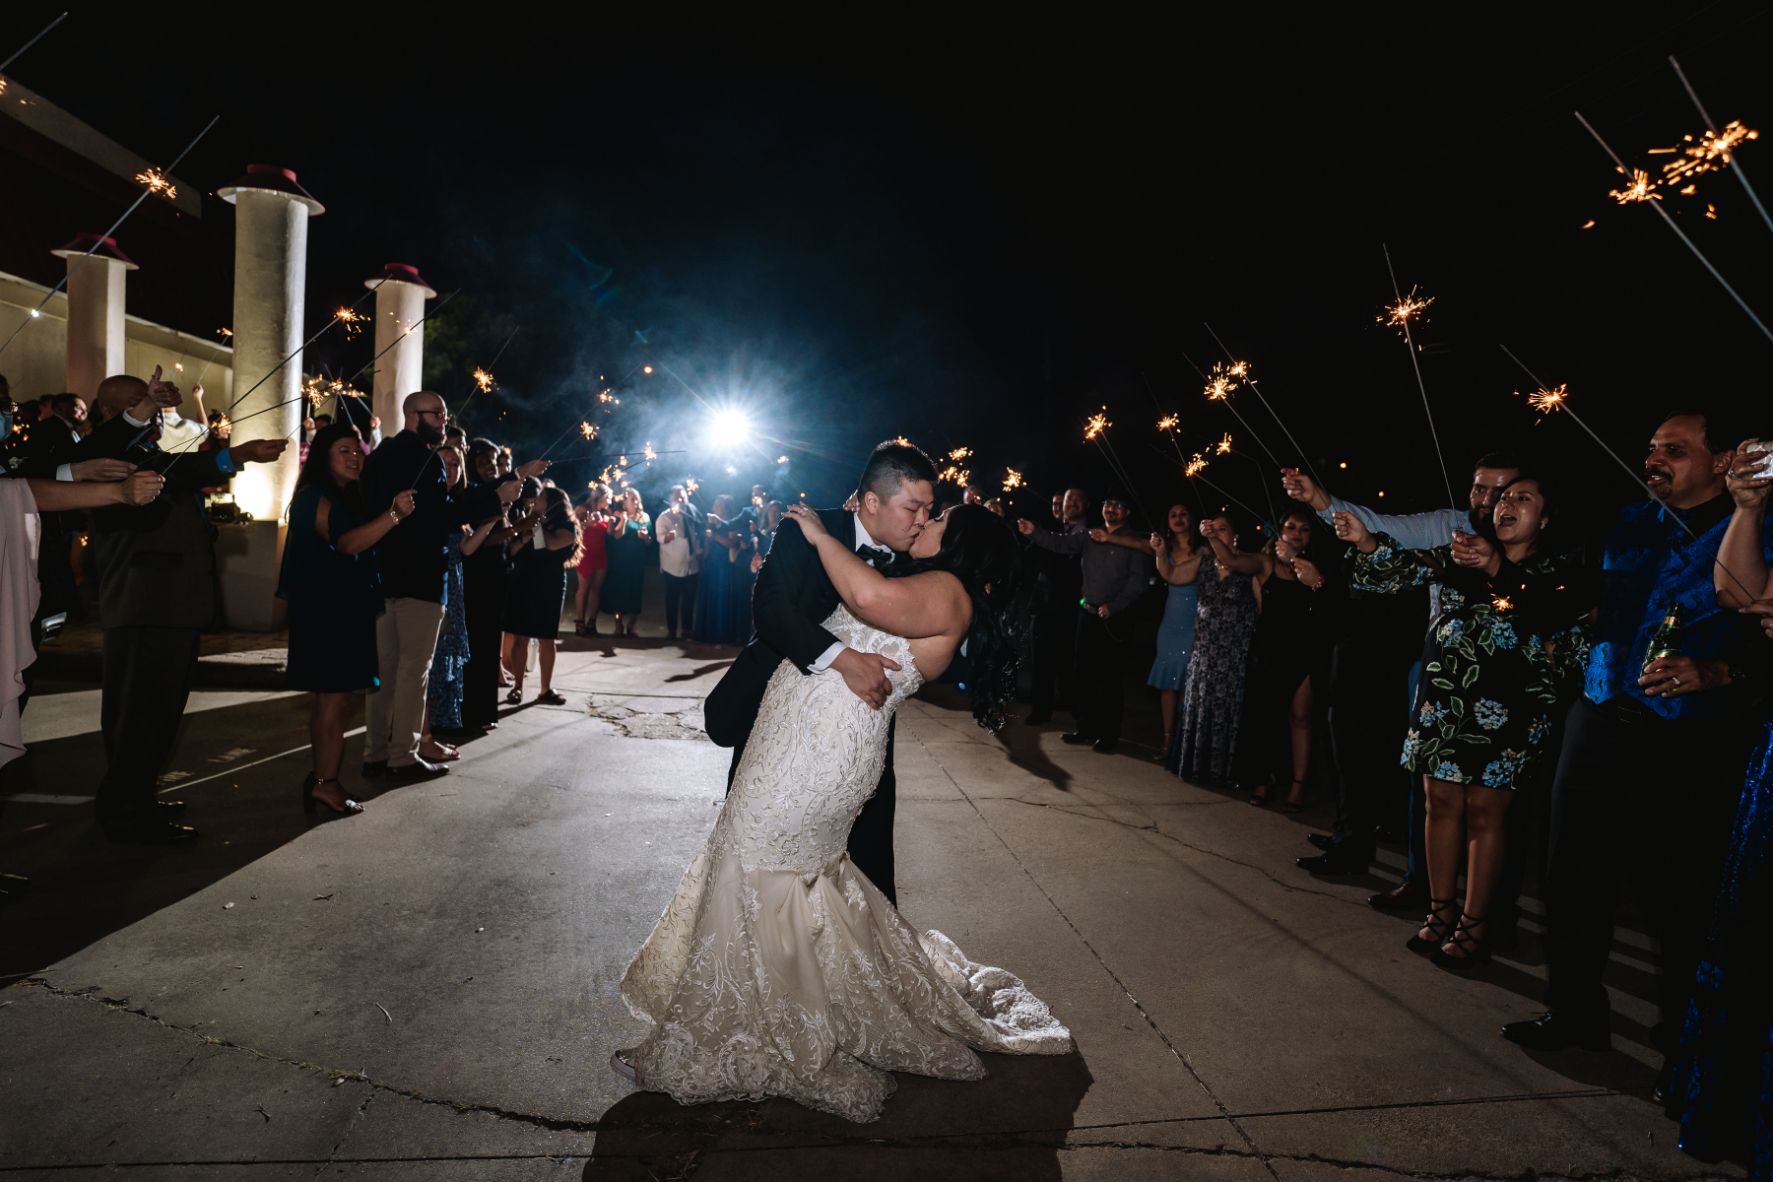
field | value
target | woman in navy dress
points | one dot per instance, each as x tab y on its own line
331	583
716	622
1178	564
546	545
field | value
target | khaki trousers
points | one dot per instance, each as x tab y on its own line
406	639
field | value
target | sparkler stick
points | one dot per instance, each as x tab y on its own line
1224	448
1640	193
1399	315
1194	468
80	259
1729	157
1096	431
1220	386
40	36
1250	380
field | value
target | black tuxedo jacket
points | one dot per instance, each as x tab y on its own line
789	604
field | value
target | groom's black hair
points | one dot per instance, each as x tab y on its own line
892	464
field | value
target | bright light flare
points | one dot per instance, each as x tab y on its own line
729	427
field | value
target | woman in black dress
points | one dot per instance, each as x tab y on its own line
629	549
330	580
1292	643
1504	655
547	544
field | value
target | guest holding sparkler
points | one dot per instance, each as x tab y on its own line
484	575
1720	1090
679	563
1053	644
1372	688
1503	652
1113	580
547	543
594	560
1651	766
1291	649
629	536
718	619
445	692
1178	564
1205	748
332	582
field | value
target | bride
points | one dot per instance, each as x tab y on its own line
778	969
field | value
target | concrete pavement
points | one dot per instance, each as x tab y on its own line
430	990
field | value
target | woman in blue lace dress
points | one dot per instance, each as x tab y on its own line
1218	666
1722	1089
1502	658
444	690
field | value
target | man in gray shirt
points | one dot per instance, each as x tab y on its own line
1113	579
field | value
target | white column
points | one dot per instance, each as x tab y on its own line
95	311
270	282
400	370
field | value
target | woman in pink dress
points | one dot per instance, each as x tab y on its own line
594	562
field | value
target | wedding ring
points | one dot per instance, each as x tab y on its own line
1675	681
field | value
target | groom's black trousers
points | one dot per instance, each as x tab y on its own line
871	837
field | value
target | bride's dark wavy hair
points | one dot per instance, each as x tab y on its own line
980	550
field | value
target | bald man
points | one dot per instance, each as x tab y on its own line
157	592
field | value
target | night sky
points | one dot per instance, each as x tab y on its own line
978	235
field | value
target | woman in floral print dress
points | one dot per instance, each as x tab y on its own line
1502	658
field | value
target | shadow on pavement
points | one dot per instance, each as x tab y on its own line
1010	1125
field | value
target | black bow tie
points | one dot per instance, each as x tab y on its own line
874	555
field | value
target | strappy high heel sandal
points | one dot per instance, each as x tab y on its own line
312	803
1440	928
1469	948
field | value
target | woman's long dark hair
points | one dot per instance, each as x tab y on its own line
559	515
317	468
979	550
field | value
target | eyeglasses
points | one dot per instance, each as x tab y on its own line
441	412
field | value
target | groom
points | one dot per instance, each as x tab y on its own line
789	605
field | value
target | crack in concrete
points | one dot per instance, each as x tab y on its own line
683	723
1181	1056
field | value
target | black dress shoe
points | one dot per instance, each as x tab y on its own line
374	769
1323	841
1105	746
1410	897
418	769
170	808
148	831
1553	1031
1076	739
1336	860
1038	717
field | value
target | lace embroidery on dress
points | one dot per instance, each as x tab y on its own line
777	968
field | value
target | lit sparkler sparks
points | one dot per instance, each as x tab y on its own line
691	484
1095	425
587	430
158	182
1502	603
1197	464
1408	309
1239	370
781	459
1223	447
956	475
483	381
647	370
1641	189
351	319
1220	382
901	441
648	453
1547	401
225	333
608	397
960	453
1170	423
1012	480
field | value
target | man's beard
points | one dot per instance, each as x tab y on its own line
432	436
1667	478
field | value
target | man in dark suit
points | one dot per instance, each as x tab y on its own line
157	592
789	605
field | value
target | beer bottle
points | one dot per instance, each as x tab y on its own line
1666	642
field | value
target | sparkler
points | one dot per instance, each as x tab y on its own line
1502	603
901	441
1012	480
648	453
484	381
1400	315
80	259
960	453
1224	446
1096	432
158	182
1195	469
1649	200
1241	371
1222	383
1722	142
21	49
1170	423
587	430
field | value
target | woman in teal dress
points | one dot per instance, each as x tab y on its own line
333	588
1502	658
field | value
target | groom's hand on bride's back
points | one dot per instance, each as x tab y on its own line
866	675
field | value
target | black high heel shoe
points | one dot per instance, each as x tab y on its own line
312	803
1472	948
1440	929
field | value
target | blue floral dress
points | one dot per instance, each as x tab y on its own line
1503	656
443	693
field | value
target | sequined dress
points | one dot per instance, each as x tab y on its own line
777	968
1724	1077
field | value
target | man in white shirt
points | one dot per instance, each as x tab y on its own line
679	563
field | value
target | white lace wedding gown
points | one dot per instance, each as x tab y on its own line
778	969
